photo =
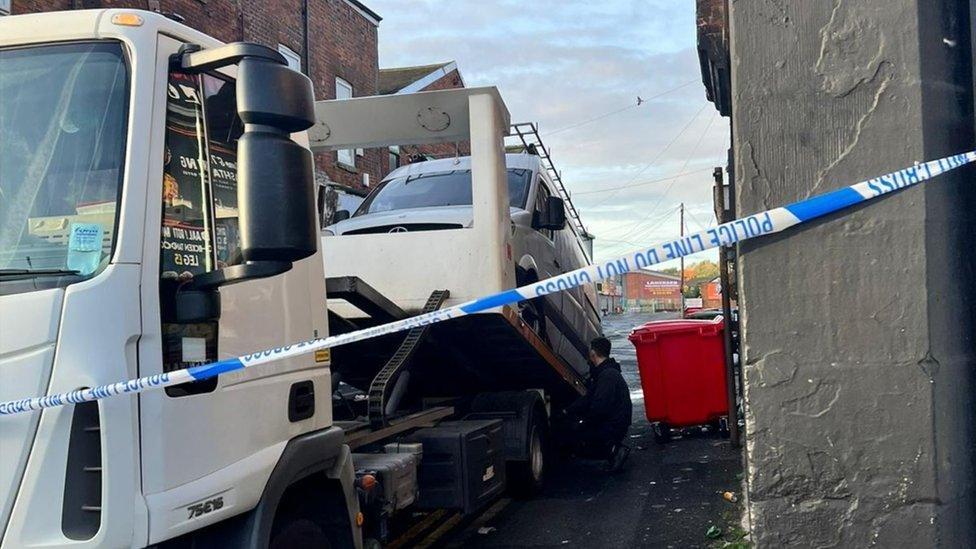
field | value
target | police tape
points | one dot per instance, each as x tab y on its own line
760	224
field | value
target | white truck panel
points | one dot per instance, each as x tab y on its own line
100	327
28	332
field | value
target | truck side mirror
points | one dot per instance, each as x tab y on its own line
276	191
341	215
554	216
275	181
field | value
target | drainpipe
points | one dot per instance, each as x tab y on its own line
308	51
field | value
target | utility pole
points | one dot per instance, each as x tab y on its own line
682	287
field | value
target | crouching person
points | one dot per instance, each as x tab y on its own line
597	423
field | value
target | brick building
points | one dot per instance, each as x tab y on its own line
334	42
711	293
439	76
610	295
650	291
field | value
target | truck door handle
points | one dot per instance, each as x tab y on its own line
301	401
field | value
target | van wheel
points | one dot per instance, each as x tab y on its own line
526	478
532	313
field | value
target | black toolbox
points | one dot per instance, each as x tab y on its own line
463	465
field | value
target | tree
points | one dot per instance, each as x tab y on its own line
704	270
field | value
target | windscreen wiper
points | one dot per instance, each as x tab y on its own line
28	273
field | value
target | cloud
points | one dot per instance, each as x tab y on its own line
562	62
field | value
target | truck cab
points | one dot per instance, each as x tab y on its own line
128	249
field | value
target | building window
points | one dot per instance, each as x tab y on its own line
344	91
394	157
294	60
4	7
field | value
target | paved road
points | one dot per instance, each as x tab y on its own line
667	497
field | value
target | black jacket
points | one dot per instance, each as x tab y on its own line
606	404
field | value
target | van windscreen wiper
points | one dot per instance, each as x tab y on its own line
27	273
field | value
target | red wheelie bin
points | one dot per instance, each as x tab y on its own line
682	372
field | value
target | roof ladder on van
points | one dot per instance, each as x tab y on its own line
531	142
385	381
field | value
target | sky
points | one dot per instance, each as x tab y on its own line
565	63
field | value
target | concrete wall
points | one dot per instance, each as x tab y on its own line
860	359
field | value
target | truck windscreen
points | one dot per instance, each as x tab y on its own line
434	189
62	142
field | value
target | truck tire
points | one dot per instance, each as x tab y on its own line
526	478
311	515
300	533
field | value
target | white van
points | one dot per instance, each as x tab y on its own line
413	235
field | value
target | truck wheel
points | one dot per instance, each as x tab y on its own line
311	516
300	533
526	478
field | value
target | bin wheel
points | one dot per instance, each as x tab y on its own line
662	433
723	427
526	478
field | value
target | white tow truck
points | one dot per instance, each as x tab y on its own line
157	211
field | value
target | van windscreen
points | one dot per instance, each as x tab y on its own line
428	190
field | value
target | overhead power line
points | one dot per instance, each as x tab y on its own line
640	101
697	222
657	156
687	160
675	179
647	181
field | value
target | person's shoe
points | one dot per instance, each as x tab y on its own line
617	458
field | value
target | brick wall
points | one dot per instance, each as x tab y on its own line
352	56
646	289
449	81
342	43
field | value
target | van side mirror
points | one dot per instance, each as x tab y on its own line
553	217
341	215
275	181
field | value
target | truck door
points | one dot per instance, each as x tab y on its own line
209	447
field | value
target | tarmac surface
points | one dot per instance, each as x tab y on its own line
667	496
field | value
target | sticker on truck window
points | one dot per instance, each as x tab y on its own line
85	247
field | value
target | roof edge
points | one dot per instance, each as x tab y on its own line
431	77
365	11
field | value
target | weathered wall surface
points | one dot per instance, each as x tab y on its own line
858	330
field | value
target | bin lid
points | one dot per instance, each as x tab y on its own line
677	325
